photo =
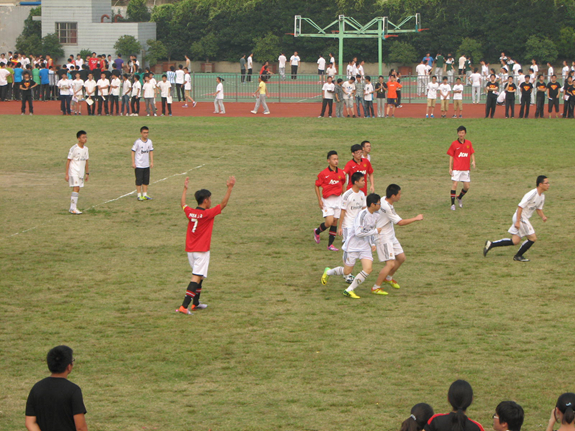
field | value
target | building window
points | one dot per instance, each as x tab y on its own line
67	32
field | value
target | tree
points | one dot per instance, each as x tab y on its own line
566	43
127	45
156	51
402	53
266	47
471	47
51	46
541	49
85	53
30	40
138	11
206	47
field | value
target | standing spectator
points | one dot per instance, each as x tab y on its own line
332	71
44	83
526	89
26	87
398	79
449	68
90	87
568	98
126	90
349	95
142	162
4	74
475	81
3	59
421	71
349	70
516	68
165	89
180	74
36	79
53	77
294	62
467	69
541	92
564	71
460	396
118	62
368	98
55	403
243	68
219	97
115	88
392	89
380	88
458	99
79	62
553	95
93	62
462	61
65	87
250	67
171	74
188	90
136	93
321	68
149	91
260	94
444	92
510	90
359	88
103	91
282	59
432	88
564	413
439	61
360	70
492	90
17	80
428	59
484	73
328	92
77	96
338	99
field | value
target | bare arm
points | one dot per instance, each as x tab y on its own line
87	172
450	165
152	159
66	176
80	422
183	201
405	222
371	184
31	424
540	213
551	422
134	159
340	222
230	183
519	213
473	160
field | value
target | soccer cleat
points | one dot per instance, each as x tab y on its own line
460	202
350	294
520	258
332	248
486	248
183	310
379	291
392	283
141	198
349	279
146	197
75	212
452	207
316	237
324	277
200	306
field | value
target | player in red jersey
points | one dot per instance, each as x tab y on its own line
359	164
198	240
331	181
460	153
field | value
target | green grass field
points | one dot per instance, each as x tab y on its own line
276	350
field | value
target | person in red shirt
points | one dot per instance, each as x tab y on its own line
331	181
359	164
198	240
392	87
460	153
93	62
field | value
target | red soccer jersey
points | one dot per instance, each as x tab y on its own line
331	182
352	167
392	87
93	63
461	154
199	236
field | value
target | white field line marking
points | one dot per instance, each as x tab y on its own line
118	198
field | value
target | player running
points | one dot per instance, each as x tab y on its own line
331	181
521	227
77	169
389	249
198	240
460	153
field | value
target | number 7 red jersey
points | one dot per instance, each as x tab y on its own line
200	226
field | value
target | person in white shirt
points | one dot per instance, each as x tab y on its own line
368	98
349	70
149	91
142	162
449	67
115	88
444	92
165	89
294	62
77	96
476	81
565	71
188	89
462	61
516	68
550	71
349	95
331	71
250	67
328	90
354	70
366	147
321	67
360	70
421	70
103	91
458	99
79	61
282	65
136	94
4	74
219	97
432	88
331	59
521	226
65	87
77	169
180	82
126	90
90	90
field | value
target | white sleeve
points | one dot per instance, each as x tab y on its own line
360	230
70	154
528	196
540	207
135	146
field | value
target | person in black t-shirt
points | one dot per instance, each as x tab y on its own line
26	87
568	91
55	403
510	90
380	88
541	89
526	89
553	94
492	90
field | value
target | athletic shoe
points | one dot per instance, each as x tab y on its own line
520	258
349	279
426	115
486	248
155	115
194	104
141	198
332	248
392	283
183	310
267	113
200	306
460	202
75	212
379	291
185	106
316	237
254	112
324	277
350	294
452	207
432	116
146	197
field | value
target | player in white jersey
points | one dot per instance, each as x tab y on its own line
532	202
389	249
77	169
142	161
359	245
366	147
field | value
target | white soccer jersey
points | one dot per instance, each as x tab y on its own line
362	235
142	150
387	218
352	203
531	201
77	157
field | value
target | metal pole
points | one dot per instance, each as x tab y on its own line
194	86
279	89
379	43
236	87
341	33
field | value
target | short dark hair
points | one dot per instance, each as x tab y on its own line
363	143
80	133
164	76
368	78
355	147
331	153
202	195
339	81
372	198
540	179
392	190
59	358
445	78
461	128
143	128
511	413
356	177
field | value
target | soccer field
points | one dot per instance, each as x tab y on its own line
276	350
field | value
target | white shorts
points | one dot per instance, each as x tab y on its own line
76	181
462	176
331	206
349	258
388	250
525	228
199	261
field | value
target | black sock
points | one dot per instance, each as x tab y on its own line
524	247
501	243
320	229
332	234
453	197
198	292
463	191
190	293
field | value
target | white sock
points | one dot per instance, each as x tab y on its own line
375	287
359	278
145	193
73	201
389	278
139	195
336	271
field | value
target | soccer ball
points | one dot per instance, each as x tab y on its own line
349	279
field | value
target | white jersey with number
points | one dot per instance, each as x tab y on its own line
77	157
387	219
352	203
142	150
531	201
362	236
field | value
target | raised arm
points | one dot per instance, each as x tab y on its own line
230	183
183	201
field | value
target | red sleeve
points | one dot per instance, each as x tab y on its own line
471	146
346	168
318	182
451	151
187	210
369	167
212	212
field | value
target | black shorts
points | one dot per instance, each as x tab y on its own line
392	101
142	176
553	103
320	72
